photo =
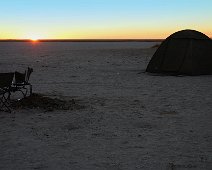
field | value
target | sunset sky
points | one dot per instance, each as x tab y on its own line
102	19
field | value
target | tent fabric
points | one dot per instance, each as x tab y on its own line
192	34
186	52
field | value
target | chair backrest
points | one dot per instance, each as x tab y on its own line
6	79
28	73
20	77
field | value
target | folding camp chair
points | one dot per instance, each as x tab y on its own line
5	86
22	81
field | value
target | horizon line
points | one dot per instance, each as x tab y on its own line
82	40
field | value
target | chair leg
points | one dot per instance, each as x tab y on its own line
25	94
6	99
26	91
9	94
30	86
5	104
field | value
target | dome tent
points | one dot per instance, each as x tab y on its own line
186	52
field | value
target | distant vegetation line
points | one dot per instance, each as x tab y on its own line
82	40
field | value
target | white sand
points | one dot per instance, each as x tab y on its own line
132	120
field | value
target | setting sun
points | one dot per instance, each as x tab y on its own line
33	39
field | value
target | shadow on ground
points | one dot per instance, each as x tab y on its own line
40	101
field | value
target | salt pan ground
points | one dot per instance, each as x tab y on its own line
130	119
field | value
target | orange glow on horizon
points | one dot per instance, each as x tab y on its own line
95	33
34	40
